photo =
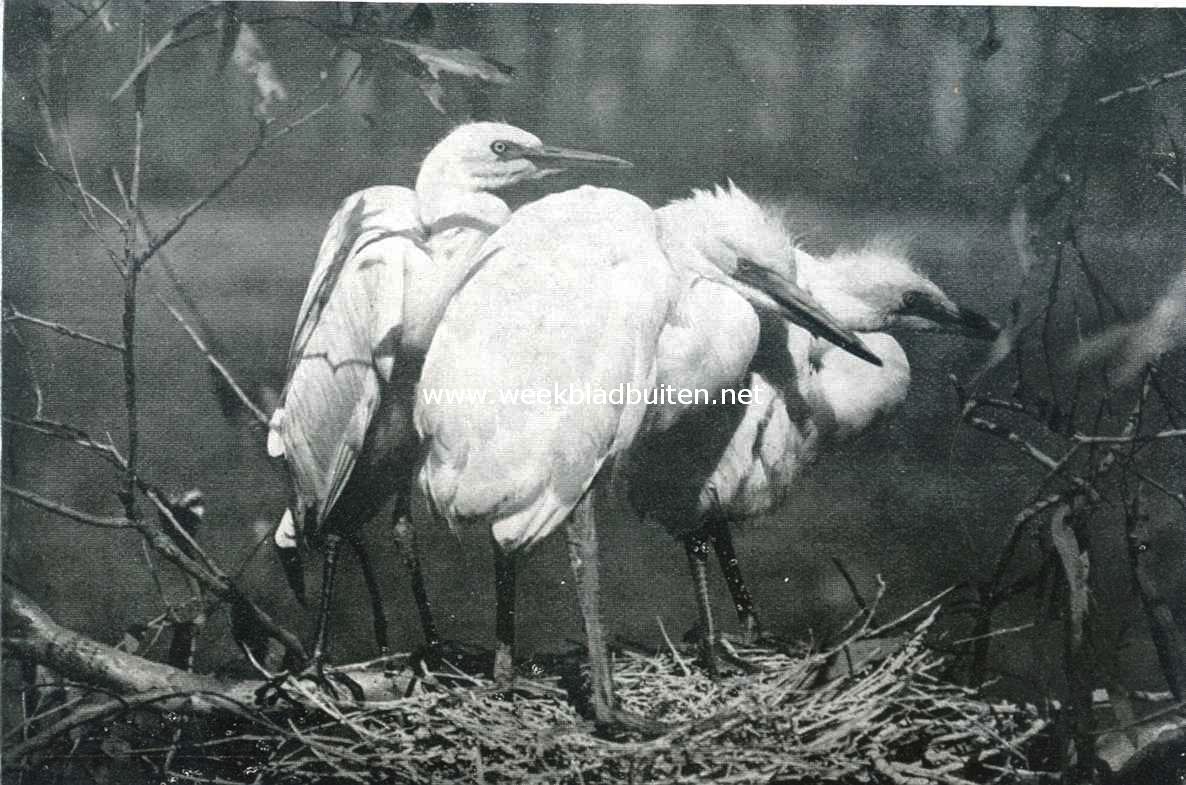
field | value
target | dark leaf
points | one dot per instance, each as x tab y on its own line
991	43
418	24
230	35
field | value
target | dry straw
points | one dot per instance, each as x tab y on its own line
893	721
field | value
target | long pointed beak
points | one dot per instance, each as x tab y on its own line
549	157
796	305
953	318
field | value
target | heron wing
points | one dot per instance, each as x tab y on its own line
345	341
569	295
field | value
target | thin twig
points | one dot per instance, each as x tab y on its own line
33	381
1029	450
41	160
103	522
1148	84
256	412
218	584
262	142
1173	433
15	315
63	38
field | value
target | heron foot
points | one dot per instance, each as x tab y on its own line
316	673
712	654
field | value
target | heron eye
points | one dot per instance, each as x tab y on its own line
499	148
911	299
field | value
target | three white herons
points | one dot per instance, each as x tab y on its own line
574	290
388	265
696	469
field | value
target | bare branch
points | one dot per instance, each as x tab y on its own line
15	315
69	433
68	512
1176	496
256	412
41	160
1029	450
1172	433
1148	84
262	142
217	584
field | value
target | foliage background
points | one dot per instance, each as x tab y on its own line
860	120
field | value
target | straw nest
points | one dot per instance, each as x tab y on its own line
893	720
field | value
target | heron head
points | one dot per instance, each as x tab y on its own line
726	236
877	288
487	156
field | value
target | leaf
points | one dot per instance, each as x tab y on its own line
418	24
1129	348
167	40
434	92
249	57
1075	564
230	35
462	62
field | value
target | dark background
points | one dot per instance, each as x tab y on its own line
861	121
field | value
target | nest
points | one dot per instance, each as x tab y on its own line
892	720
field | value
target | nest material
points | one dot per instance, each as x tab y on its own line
891	721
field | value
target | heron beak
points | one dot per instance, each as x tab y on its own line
548	157
797	306
952	318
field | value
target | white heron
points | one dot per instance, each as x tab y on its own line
573	292
389	263
697	469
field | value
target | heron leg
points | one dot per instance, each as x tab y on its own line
583	556
697	548
405	539
504	628
332	544
378	615
722	538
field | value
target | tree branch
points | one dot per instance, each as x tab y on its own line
102	522
15	315
1148	84
30	633
215	363
213	580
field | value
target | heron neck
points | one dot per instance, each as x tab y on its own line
445	202
454	235
849	395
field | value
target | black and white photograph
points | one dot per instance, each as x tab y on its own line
593	393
